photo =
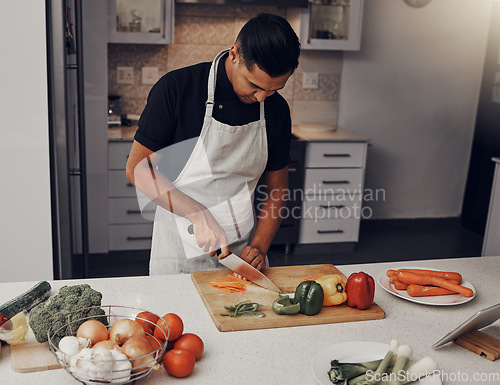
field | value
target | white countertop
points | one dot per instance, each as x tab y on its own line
283	355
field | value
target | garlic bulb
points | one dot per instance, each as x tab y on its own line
70	346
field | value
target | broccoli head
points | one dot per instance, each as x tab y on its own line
69	299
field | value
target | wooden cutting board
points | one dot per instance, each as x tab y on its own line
31	356
286	278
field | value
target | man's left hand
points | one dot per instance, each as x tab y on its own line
254	257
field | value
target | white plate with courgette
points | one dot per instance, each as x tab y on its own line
358	352
438	300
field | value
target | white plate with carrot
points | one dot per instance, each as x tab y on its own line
427	286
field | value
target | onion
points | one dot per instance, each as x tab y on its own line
137	347
108	344
93	330
124	329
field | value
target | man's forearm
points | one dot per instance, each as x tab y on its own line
161	191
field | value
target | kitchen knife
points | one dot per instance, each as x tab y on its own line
238	265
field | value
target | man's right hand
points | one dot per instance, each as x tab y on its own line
210	237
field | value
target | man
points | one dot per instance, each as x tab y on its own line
239	129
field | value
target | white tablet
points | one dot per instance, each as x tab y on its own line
478	321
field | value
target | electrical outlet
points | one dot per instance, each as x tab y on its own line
149	75
310	80
124	75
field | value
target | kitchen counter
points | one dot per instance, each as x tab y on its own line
338	135
283	355
126	133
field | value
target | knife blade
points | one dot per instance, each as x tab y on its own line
238	265
243	268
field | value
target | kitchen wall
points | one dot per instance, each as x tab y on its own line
201	31
413	89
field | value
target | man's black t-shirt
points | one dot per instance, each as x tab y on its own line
176	107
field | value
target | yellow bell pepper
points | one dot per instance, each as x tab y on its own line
334	289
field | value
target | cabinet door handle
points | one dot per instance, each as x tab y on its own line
332	207
129	238
140	212
337	155
330	231
292	170
335	182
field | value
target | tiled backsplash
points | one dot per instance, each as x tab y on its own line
201	31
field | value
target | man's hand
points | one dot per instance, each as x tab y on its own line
254	257
210	237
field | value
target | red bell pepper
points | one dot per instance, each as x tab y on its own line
360	289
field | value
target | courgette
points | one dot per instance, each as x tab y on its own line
38	293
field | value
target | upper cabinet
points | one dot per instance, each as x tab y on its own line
141	21
331	25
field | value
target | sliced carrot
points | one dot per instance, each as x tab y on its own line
424	291
236	279
229	286
312	278
450	275
421	279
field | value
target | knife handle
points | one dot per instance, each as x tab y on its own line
190	230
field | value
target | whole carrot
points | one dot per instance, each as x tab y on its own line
423	291
421	279
391	272
397	284
450	275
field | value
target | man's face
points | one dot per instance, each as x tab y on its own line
251	86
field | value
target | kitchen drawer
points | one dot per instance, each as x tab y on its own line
342	206
332	180
335	154
119	185
118	155
328	231
130	237
126	211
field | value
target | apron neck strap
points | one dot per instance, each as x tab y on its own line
212	80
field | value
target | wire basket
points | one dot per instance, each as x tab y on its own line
70	322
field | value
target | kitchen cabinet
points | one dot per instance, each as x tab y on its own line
128	229
331	25
141	22
491	245
333	186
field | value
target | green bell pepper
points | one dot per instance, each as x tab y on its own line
283	305
310	295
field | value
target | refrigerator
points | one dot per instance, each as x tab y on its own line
77	83
486	141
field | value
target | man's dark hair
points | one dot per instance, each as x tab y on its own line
269	42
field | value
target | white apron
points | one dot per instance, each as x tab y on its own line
221	173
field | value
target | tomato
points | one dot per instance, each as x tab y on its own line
175	325
191	342
154	343
178	362
143	317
